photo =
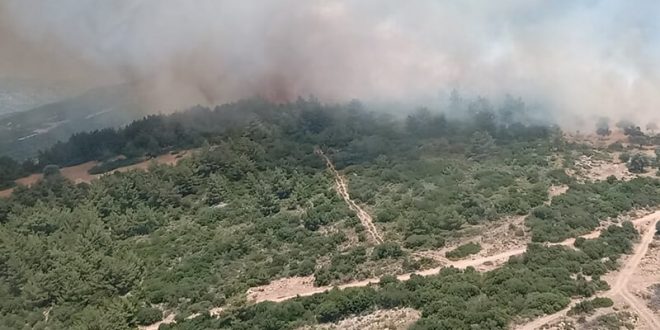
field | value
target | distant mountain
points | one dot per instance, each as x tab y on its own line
23	94
23	134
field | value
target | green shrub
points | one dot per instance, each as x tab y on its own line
148	315
602	302
113	165
386	250
415	241
463	251
589	306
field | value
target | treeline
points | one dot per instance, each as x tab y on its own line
10	170
541	281
309	120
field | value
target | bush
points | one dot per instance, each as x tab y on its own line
616	146
113	165
148	315
386	250
638	162
50	170
414	241
624	157
463	251
559	176
385	215
602	302
588	306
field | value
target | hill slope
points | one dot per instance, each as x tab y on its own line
23	134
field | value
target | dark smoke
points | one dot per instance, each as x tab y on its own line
587	59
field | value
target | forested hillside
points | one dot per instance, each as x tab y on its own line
255	204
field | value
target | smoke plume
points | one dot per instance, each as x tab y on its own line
577	58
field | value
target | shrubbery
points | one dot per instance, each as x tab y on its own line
589	306
148	315
463	251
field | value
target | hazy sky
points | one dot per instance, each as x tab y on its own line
576	57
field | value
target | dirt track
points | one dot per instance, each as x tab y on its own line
620	286
342	190
646	225
263	294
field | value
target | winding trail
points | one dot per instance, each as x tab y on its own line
500	257
619	287
647	224
342	190
621	284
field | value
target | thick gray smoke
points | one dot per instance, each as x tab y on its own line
577	58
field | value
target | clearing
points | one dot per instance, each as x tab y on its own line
80	173
393	319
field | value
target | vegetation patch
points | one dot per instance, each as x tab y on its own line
541	281
589	306
463	251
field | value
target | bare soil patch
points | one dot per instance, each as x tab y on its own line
592	169
393	319
555	191
284	287
167	320
80	173
496	239
595	140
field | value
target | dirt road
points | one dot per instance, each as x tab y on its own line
646	225
342	190
620	286
307	289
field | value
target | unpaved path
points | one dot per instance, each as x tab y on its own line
621	287
342	190
167	320
306	288
646	225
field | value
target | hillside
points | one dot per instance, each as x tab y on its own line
467	223
24	133
18	95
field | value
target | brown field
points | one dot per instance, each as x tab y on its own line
80	173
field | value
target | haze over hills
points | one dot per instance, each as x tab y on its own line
22	94
23	134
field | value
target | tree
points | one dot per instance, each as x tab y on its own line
623	124
603	127
51	170
482	145
217	191
652	127
637	163
633	131
148	315
387	250
639	139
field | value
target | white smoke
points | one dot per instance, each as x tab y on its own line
585	59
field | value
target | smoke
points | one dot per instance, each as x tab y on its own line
583	59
